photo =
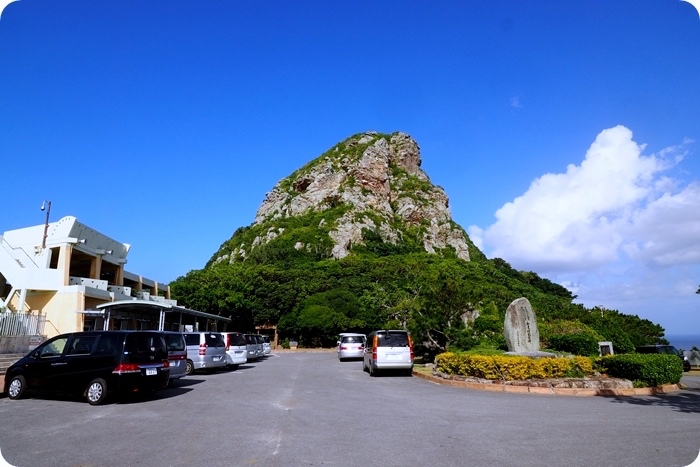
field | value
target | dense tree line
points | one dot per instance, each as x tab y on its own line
312	300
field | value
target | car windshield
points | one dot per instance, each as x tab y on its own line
352	340
669	349
393	339
215	340
236	339
145	347
175	342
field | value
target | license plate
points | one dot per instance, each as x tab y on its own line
393	357
151	371
216	359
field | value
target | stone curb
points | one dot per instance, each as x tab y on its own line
664	389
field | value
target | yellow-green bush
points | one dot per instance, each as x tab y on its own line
512	367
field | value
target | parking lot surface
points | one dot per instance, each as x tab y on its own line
310	409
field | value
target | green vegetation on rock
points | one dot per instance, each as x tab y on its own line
285	269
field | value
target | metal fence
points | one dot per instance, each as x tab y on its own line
21	324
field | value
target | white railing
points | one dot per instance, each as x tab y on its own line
21	324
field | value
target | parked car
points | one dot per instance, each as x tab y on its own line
267	348
351	346
93	364
665	349
205	351
177	354
236	349
388	350
253	346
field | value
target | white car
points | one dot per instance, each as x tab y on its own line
267	348
236	349
351	345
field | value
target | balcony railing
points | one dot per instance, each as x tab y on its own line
21	324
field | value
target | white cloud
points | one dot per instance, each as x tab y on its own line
616	227
615	201
667	231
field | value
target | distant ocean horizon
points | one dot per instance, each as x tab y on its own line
684	341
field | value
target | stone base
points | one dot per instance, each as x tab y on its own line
535	354
561	386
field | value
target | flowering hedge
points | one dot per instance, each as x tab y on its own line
513	367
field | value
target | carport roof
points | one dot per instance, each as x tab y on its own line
157	306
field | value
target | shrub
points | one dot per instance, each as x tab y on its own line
512	367
580	343
619	338
649	369
488	323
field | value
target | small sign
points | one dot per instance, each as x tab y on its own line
34	342
605	348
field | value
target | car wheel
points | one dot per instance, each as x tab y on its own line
16	387
233	367
189	368
96	391
372	372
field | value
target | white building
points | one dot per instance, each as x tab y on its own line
75	277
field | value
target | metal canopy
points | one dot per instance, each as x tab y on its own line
158	307
134	304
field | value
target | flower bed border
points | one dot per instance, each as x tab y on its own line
576	386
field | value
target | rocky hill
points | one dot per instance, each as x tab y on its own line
360	239
368	189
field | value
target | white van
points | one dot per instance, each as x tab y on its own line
388	350
236	349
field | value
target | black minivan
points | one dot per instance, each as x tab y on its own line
665	349
92	364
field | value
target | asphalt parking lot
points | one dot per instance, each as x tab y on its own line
309	409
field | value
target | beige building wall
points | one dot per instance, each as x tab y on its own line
61	316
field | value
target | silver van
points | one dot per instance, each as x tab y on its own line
236	349
177	354
388	350
267	346
205	350
254	347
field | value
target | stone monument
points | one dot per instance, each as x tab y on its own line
520	327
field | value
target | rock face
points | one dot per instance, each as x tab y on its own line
370	183
520	327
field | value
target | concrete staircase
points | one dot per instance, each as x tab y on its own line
8	359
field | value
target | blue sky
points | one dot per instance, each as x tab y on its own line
564	133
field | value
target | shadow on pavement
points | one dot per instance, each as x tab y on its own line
686	401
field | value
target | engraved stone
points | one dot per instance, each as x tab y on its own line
520	327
